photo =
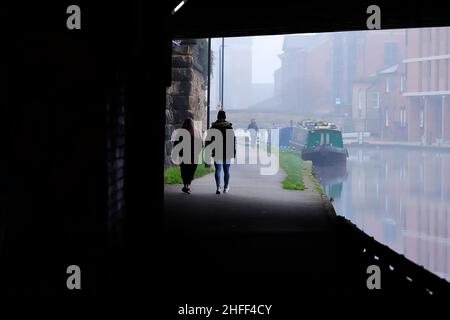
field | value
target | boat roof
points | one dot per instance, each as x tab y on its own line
318	125
323	128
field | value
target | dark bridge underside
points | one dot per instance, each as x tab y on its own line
232	252
53	176
203	18
279	263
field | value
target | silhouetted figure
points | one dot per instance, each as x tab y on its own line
253	127
228	153
188	169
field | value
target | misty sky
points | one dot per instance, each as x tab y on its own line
265	57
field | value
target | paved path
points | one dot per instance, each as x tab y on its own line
256	230
254	202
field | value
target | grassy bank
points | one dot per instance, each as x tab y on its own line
307	170
172	175
296	169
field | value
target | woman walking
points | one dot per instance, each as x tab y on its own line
188	168
229	152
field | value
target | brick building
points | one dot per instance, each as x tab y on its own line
426	67
354	75
317	72
391	83
238	64
378	106
302	83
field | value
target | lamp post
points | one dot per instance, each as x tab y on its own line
222	70
208	103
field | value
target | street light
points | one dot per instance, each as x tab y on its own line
222	70
208	103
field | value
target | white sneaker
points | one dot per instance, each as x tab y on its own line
218	191
226	190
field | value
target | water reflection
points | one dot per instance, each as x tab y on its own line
331	178
399	196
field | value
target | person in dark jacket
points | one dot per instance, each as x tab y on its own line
229	152
188	169
253	127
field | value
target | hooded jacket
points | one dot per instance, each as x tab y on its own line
224	126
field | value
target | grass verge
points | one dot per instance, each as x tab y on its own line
293	166
296	169
307	168
172	175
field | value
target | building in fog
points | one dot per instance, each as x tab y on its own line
262	96
393	84
317	72
303	83
427	90
344	67
408	98
238	85
378	106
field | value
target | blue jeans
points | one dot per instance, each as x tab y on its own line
218	174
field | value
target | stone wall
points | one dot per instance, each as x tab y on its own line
186	97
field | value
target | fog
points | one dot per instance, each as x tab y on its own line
342	77
265	51
388	92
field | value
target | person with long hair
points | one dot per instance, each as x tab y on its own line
188	169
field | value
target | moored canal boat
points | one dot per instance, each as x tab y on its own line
321	142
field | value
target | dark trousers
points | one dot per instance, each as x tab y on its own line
187	172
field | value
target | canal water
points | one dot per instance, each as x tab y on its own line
400	196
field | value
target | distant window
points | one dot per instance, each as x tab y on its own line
429	75
390	53
360	100
373	100
437	76
361	103
429	41
402	83
406	38
388	85
402	117
447	42
386	116
421	119
437	41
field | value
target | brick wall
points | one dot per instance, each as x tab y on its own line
115	166
186	96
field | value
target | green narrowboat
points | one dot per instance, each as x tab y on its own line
321	142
